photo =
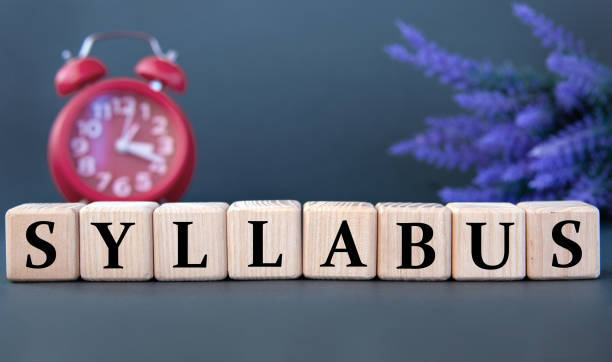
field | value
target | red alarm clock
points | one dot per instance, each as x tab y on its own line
121	138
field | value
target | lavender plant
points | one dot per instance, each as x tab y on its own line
528	136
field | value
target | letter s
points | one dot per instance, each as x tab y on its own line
40	244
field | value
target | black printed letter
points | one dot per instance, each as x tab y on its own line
566	243
183	259
349	247
407	245
477	245
258	246
113	246
41	244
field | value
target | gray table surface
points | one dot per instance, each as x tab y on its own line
310	320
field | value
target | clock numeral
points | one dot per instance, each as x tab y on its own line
129	109
104	179
143	182
91	128
122	187
79	146
125	106
158	167
160	124
102	110
86	166
165	145
145	111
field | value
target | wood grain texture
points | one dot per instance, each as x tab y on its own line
136	249
206	236
322	221
64	238
437	217
542	216
491	213
281	235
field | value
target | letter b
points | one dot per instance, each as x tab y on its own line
407	245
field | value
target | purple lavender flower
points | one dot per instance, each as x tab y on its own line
399	53
457	71
577	68
574	143
451	69
486	103
593	188
470	194
413	36
537	116
491	174
445	143
553	181
506	139
570	95
586	82
550	35
529	137
560	160
518	171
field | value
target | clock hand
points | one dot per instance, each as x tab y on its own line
131	132
140	147
127	124
144	151
123	142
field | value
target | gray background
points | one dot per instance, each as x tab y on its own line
289	100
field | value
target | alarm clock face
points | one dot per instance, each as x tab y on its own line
122	144
119	139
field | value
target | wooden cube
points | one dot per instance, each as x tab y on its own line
562	240
488	241
42	242
264	239
189	241
414	241
117	241
339	240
